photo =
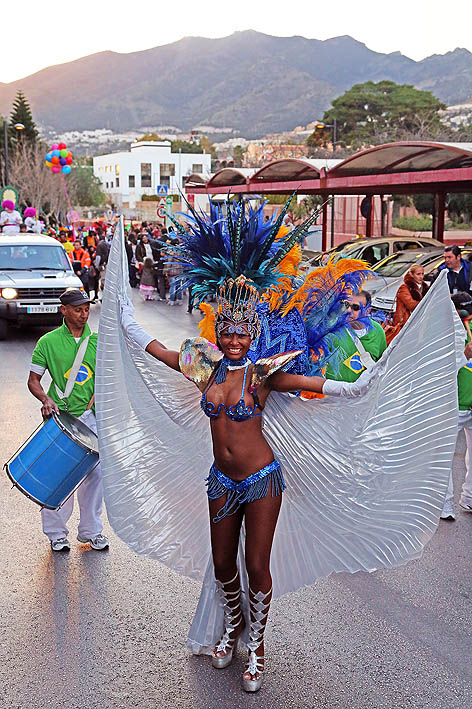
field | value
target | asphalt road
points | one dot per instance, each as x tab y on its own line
107	630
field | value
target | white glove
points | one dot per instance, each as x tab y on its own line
350	390
134	331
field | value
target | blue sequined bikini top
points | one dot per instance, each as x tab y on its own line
237	412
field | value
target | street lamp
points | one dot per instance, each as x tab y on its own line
332	125
19	127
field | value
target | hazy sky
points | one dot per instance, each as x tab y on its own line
53	32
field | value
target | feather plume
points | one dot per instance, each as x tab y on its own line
296	235
229	223
237	236
207	323
274	232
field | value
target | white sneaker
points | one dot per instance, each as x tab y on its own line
466	506
61	544
99	542
448	512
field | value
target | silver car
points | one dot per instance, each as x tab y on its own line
391	271
34	271
374	250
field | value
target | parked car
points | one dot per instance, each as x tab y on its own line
324	256
395	266
34	271
374	250
392	270
313	238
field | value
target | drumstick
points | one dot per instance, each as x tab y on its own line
90	404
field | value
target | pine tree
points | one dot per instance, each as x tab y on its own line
21	113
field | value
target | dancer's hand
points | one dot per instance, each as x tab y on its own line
134	331
350	390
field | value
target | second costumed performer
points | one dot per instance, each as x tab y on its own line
357	494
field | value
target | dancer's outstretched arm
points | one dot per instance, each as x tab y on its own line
148	343
284	381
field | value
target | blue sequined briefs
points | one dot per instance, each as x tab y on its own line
252	488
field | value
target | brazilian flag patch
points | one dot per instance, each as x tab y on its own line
83	375
354	363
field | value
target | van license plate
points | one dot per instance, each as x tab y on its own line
41	309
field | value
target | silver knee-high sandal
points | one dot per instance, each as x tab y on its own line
259	611
232	613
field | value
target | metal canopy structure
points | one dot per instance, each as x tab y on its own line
412	167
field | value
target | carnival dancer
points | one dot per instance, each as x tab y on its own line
57	352
10	218
356	496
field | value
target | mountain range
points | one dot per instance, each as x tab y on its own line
251	82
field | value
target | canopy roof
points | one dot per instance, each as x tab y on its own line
408	156
401	168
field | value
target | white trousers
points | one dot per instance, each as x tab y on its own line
90	499
464	422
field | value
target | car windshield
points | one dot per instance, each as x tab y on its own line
396	265
32	256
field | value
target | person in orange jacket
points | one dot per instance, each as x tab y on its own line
77	256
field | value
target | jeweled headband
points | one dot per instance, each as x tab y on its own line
237	300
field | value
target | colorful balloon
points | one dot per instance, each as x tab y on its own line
58	158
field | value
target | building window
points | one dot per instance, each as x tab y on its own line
167	171
117	181
106	185
197	167
146	174
131	181
117	169
111	185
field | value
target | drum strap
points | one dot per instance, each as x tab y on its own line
79	358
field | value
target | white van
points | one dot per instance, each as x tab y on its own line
34	271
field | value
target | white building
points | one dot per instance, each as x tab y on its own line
127	175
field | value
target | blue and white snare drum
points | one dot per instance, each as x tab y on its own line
54	460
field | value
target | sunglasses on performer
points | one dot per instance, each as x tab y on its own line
352	306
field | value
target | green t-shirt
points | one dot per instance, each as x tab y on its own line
351	367
56	351
464	385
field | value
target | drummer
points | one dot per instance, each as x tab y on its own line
58	352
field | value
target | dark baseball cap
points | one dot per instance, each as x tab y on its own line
74	296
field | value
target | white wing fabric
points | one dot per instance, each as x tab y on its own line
366	478
155	447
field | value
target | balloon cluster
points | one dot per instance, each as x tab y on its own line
59	159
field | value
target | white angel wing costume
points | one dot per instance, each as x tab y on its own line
366	477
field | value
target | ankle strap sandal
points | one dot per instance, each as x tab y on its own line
259	610
232	617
